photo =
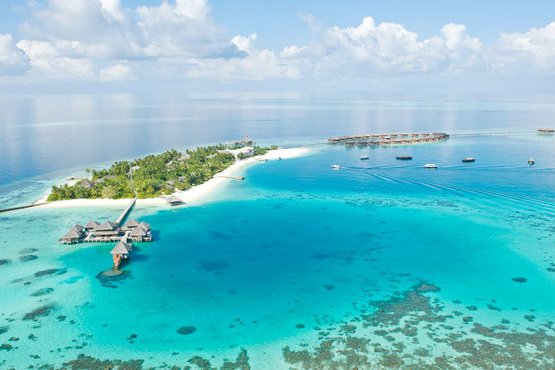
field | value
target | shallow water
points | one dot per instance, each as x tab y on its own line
380	263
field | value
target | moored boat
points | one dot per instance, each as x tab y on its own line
469	160
531	162
430	165
404	157
364	157
335	167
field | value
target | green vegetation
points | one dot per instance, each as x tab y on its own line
155	175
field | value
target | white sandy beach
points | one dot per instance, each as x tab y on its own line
196	194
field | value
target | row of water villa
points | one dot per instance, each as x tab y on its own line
110	231
389	138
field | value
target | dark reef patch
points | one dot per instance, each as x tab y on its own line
4	261
300	326
39	312
186	330
6	347
27	258
41	292
112	279
519	280
404	318
28	251
83	362
49	272
212	266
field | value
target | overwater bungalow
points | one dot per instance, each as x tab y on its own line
120	252
79	228
106	231
71	237
130	225
91	225
174	200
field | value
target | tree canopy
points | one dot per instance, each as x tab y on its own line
153	175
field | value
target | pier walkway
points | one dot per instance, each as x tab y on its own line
20	207
126	211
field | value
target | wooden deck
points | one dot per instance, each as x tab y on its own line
126	211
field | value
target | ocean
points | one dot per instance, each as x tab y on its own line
380	264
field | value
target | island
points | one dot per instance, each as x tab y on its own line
158	175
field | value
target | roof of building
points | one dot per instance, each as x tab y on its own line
78	228
71	234
174	199
106	226
144	226
132	223
85	183
138	231
121	248
91	224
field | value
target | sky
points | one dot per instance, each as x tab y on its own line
394	45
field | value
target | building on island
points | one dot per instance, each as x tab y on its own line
72	236
130	225
121	252
91	225
174	200
106	231
85	183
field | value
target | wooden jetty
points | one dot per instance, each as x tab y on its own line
389	139
126	211
110	231
21	207
239	178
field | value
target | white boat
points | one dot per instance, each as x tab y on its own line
430	165
531	162
364	157
335	167
469	160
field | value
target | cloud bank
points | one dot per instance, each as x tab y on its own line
101	40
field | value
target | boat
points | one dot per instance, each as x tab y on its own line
469	160
335	167
364	157
404	157
546	131
531	162
430	165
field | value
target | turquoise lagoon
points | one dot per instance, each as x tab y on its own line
382	263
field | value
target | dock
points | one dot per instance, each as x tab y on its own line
110	231
126	211
386	139
239	178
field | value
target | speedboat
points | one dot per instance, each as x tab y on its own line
335	167
531	162
469	160
404	158
430	165
364	157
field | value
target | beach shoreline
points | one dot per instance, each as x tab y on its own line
195	195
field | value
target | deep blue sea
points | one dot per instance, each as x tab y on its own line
382	264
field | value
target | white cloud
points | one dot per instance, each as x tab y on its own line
531	51
244	43
178	39
117	72
12	60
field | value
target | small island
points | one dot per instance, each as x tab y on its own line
156	175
